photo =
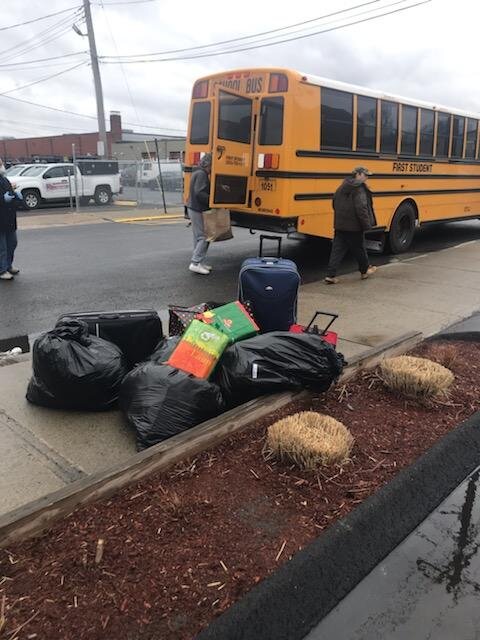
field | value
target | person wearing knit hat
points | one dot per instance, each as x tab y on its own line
198	202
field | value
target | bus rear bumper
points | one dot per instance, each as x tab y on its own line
260	222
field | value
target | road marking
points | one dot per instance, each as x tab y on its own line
163	216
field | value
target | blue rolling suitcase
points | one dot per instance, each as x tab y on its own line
270	286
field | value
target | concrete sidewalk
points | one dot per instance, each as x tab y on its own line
63	218
42	450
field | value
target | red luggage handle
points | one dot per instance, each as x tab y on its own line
333	317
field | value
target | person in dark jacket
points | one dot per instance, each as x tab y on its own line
198	202
353	207
9	199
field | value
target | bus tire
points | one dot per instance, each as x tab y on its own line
103	195
31	199
402	229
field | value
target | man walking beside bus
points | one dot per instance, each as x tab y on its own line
353	207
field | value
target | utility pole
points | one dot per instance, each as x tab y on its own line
97	80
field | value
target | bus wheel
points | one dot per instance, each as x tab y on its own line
402	229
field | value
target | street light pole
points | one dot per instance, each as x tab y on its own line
97	80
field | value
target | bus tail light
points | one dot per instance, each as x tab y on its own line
268	160
200	89
278	82
194	158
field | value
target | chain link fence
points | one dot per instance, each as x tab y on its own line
85	182
152	183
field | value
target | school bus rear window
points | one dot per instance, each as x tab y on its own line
235	118
200	128
271	123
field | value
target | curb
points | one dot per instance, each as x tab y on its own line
163	216
292	600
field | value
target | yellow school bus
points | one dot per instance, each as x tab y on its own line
282	142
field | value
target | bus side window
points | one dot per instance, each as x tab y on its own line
366	123
389	129
471	138
427	120
443	135
457	136
409	130
336	119
271	122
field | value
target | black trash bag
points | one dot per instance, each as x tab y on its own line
164	350
75	370
274	362
159	402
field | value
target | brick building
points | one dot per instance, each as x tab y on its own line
59	146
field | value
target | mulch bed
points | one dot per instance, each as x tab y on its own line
182	546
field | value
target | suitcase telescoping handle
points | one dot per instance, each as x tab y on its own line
332	316
276	239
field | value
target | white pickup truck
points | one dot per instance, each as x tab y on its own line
49	183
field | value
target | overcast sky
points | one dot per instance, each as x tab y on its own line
427	52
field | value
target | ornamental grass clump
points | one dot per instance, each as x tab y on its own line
309	440
416	377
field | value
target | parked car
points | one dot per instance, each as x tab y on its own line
172	176
128	176
18	169
58	182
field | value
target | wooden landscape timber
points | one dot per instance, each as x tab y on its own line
38	515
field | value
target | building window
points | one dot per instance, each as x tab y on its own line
471	138
366	123
457	136
336	120
271	121
200	126
443	135
427	122
389	132
409	130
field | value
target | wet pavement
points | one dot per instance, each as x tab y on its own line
427	588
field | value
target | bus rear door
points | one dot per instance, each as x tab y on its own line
232	152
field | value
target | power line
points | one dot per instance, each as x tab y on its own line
44	106
45	33
242	38
44	79
19	66
263	41
52	34
38	125
270	44
50	15
82	115
126	2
